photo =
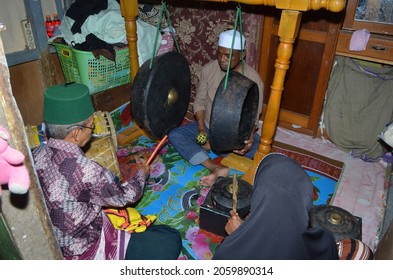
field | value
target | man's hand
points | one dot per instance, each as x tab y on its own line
233	222
207	146
247	147
145	169
247	144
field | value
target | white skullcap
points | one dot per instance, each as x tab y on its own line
226	38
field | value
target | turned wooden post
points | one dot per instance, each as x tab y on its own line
129	10
287	32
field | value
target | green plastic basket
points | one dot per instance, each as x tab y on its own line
68	63
98	74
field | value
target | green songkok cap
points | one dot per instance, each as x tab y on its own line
67	104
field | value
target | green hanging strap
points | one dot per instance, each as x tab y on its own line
241	39
238	15
172	30
163	11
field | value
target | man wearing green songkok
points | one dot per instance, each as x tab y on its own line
76	188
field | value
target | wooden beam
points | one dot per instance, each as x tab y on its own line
295	5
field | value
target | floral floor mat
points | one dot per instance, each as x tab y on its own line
174	196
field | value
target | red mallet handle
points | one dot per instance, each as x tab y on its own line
157	149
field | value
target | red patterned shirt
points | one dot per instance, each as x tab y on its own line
76	189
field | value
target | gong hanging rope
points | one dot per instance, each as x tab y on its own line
238	18
163	11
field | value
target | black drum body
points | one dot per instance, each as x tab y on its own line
234	113
214	211
341	223
160	94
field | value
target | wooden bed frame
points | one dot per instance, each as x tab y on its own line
288	30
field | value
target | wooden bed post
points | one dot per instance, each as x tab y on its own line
287	32
129	10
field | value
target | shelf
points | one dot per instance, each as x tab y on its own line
379	48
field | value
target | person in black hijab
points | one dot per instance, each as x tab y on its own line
277	227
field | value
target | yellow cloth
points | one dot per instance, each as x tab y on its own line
129	219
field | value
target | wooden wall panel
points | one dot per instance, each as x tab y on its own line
28	90
307	77
28	86
300	78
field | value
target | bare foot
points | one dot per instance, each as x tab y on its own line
214	174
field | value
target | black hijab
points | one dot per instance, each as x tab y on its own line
278	224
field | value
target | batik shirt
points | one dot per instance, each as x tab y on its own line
76	189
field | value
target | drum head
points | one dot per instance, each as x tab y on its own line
234	113
160	94
222	194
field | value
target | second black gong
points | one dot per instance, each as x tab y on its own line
234	113
341	223
160	94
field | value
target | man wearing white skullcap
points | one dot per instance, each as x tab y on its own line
226	38
183	138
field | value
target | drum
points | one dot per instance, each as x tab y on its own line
214	211
102	147
104	126
221	193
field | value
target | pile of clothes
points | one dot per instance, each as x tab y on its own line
98	26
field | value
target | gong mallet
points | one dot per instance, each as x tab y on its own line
157	149
235	189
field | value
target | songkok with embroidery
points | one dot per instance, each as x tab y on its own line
67	104
226	39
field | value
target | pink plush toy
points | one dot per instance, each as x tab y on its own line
12	170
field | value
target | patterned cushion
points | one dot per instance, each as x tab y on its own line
151	14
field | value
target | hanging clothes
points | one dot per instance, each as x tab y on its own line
359	104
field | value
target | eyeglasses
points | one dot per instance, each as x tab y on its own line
93	127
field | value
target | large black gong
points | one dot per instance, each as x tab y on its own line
234	113
160	95
341	223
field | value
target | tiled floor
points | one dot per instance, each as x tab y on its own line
363	188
